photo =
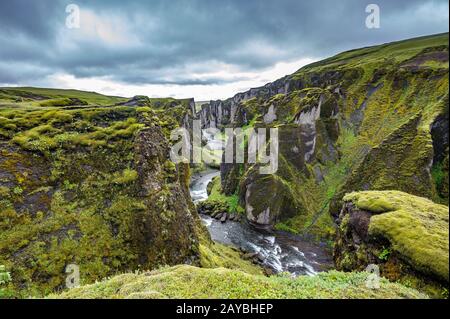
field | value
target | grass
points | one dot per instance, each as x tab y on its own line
187	282
55	97
5	278
397	51
44	131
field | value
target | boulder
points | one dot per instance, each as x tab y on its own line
404	235
224	217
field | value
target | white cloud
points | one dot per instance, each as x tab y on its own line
107	29
107	86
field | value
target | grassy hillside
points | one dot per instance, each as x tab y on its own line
374	56
29	96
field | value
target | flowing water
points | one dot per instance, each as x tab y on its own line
279	251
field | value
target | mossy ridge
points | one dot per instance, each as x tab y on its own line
186	282
399	51
413	228
71	193
216	255
416	227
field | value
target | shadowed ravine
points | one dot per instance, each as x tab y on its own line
279	251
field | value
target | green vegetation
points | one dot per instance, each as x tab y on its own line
416	227
28	96
406	233
373	57
191	282
126	177
70	190
438	175
5	278
372	131
215	255
216	195
384	255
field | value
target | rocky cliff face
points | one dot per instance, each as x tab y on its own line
369	119
92	186
219	114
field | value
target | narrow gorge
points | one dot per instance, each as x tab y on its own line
371	119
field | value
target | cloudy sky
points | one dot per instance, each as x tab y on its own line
205	49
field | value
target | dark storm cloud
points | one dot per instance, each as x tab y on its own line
165	42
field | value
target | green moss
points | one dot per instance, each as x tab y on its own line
384	255
231	201
5	278
438	174
285	227
127	176
4	192
61	102
70	193
372	203
416	227
190	282
215	255
33	96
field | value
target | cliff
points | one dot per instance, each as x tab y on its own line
91	185
368	119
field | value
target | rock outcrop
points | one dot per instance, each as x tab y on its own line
404	235
93	187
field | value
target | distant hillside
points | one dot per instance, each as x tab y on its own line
53	97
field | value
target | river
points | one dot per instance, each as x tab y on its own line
279	251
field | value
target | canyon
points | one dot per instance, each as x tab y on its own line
87	179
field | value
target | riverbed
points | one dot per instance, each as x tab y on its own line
279	251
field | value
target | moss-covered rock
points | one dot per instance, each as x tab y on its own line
405	234
191	282
91	186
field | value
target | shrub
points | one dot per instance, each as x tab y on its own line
384	255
